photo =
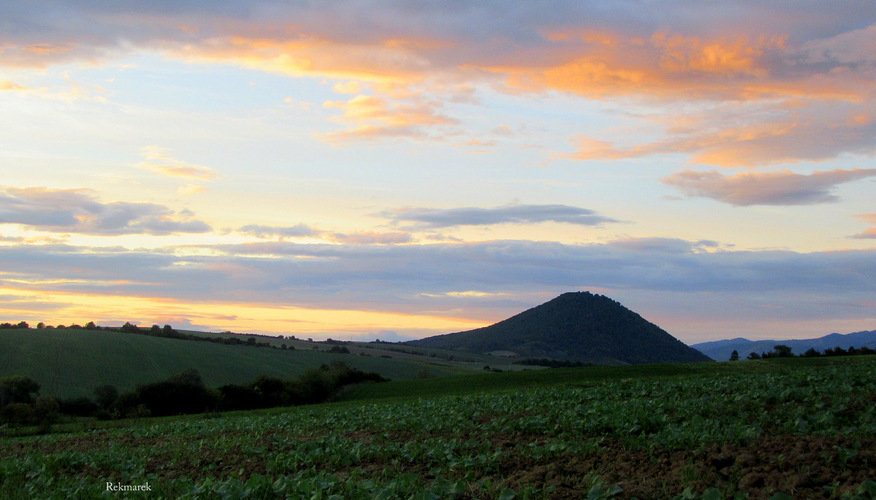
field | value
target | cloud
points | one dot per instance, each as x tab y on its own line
303	231
78	211
773	188
159	160
371	238
664	245
750	135
296	231
869	233
416	60
371	117
413	279
433	218
8	85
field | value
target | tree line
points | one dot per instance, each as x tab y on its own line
181	393
166	331
785	351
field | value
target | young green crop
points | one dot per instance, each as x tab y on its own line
707	434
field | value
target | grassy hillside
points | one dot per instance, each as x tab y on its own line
71	363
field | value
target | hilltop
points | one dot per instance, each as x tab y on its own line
576	326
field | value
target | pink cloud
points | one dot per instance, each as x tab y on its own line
773	188
416	60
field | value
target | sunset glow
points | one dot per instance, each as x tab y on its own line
367	170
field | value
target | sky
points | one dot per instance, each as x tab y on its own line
363	170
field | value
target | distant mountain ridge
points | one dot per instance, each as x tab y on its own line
720	350
576	326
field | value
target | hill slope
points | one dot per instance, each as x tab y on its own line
577	326
71	363
721	349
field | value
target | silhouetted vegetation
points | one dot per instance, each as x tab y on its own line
21	404
551	363
576	326
10	326
186	392
783	351
182	393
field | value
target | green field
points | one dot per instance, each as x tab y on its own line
72	362
782	428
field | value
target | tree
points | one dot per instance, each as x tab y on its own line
836	351
45	413
18	389
41	325
90	326
23	325
105	396
734	356
753	355
782	351
168	330
129	328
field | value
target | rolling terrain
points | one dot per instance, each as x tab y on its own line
70	363
580	327
782	428
577	326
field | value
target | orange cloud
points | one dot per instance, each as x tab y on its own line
370	117
748	135
401	55
73	307
664	65
7	85
383	61
159	160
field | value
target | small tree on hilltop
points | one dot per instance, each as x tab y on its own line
129	328
734	356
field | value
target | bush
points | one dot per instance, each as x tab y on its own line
105	396
16	414
239	397
185	392
182	393
80	407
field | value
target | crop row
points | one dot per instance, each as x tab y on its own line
533	443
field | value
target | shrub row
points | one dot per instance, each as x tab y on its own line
182	393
